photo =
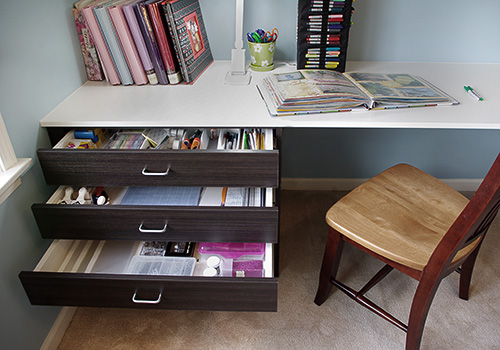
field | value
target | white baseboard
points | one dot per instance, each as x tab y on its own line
347	184
58	329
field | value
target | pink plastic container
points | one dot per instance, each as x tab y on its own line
248	268
234	250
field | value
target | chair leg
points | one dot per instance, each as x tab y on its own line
466	274
421	304
330	265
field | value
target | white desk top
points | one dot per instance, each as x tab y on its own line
212	103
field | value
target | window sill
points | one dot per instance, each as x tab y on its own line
11	178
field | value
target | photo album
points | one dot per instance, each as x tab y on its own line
323	91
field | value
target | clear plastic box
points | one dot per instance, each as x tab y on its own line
161	265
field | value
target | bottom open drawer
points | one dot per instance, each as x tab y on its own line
92	273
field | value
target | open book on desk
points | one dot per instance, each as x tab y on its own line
321	91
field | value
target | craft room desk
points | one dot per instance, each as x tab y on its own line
212	103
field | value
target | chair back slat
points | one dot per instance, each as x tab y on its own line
472	223
485	225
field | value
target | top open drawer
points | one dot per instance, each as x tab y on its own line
158	167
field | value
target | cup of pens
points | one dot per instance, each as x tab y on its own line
262	45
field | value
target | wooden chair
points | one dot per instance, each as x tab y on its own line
416	224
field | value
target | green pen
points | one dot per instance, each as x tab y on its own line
473	93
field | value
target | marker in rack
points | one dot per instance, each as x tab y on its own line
331	9
326	54
323	40
330	61
330	18
315	66
328	36
329	29
318	50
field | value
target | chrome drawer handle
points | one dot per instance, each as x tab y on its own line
139	301
147	173
145	230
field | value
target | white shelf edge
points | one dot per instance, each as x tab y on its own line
219	105
11	178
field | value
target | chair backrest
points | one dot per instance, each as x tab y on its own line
472	224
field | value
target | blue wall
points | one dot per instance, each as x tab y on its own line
426	30
383	30
40	64
38	69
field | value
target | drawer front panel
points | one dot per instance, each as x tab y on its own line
160	167
197	224
183	293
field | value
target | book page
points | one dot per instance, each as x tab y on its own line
315	83
397	88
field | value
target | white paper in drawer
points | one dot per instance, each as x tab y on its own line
162	265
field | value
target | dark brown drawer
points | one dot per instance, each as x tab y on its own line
197	224
69	276
188	293
99	167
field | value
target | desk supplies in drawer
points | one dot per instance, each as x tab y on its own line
94	273
157	222
162	167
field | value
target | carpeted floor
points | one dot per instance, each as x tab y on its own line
299	323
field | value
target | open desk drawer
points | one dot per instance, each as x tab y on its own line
212	166
97	167
198	224
156	222
90	273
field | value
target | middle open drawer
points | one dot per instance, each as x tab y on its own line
157	222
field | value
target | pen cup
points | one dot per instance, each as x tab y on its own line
262	56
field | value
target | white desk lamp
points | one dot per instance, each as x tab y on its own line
238	75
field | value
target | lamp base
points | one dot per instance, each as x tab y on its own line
238	78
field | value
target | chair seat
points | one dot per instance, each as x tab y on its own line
401	214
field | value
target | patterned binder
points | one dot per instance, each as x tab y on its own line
187	28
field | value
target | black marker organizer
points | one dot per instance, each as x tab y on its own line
323	26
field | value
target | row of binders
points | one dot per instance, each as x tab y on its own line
142	41
323	29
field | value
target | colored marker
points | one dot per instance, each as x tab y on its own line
473	93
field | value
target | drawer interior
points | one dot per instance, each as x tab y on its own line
111	257
168	138
209	196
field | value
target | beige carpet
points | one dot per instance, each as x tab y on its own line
299	324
